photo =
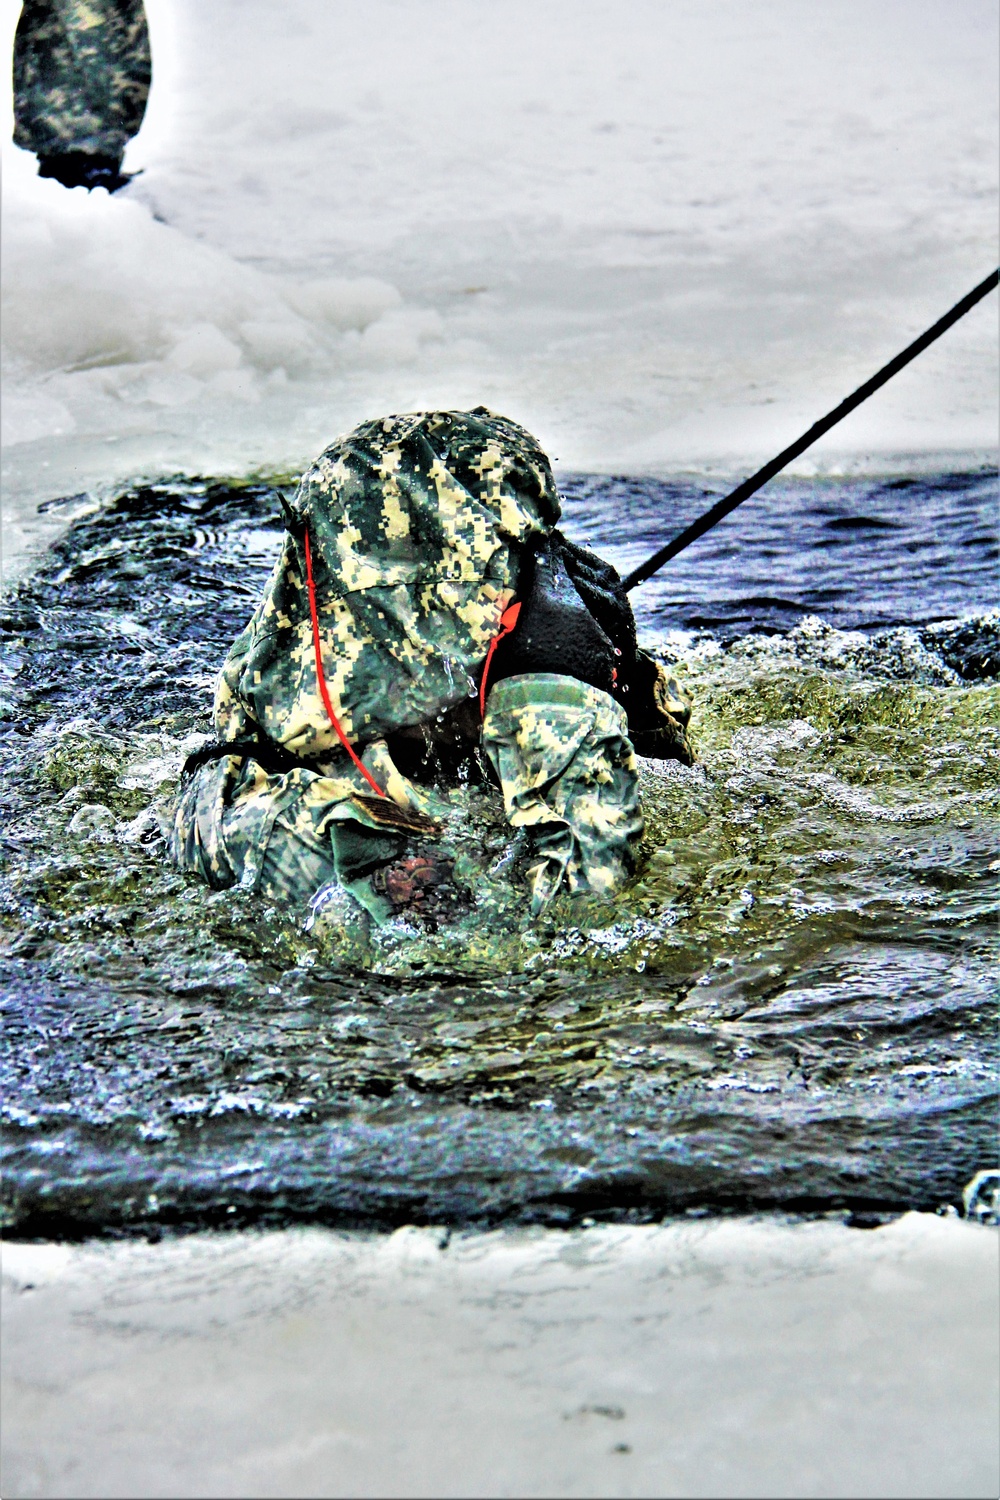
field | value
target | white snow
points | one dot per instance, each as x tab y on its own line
660	234
699	1358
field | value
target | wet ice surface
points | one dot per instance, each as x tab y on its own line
695	1358
792	1004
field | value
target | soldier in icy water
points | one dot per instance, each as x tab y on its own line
425	623
81	80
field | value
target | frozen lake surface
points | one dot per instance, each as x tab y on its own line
662	237
688	1359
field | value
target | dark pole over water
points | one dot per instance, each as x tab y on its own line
750	486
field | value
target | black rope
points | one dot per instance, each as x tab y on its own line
274	758
750	486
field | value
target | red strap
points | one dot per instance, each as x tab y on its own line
507	622
321	679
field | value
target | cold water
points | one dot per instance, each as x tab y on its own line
792	1004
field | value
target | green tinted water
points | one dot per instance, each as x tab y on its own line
791	1002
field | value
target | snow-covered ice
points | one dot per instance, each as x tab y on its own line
661	235
726	1357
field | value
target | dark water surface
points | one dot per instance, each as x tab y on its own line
793	1003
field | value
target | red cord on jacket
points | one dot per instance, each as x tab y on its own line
507	622
321	678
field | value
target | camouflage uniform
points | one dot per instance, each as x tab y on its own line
568	773
416	525
287	835
82	72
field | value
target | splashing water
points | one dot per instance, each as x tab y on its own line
791	1003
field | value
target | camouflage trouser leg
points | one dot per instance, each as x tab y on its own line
82	72
562	752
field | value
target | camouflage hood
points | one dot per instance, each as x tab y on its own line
416	525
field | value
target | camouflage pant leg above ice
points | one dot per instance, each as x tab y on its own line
82	72
287	836
568	771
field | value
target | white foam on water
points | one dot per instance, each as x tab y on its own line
662	237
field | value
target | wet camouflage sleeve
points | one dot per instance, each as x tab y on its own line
414	523
287	836
568	772
82	72
566	768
